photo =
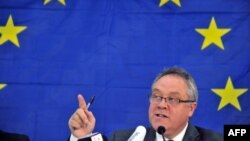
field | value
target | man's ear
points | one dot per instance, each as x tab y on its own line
192	107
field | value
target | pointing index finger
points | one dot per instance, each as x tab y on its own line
81	101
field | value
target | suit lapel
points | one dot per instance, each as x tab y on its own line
191	134
150	135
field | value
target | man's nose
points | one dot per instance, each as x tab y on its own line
163	104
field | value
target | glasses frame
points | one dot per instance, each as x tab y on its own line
168	99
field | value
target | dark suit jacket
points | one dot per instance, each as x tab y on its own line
193	133
4	136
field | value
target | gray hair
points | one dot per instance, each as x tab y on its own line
192	88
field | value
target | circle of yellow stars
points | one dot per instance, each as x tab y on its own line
212	35
229	95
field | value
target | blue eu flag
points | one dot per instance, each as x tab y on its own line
52	50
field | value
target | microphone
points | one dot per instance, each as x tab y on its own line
161	130
138	134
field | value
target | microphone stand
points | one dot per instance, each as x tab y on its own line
163	137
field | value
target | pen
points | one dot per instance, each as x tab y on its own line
91	101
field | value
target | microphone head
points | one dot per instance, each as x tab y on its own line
139	134
161	130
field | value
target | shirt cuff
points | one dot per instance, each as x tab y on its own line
73	138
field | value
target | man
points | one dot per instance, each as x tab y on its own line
5	136
173	101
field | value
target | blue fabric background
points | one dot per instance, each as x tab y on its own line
113	49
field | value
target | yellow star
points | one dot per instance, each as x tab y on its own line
60	1
229	95
2	86
212	35
9	32
163	2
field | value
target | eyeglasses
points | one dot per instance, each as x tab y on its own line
169	100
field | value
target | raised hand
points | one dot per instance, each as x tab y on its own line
82	122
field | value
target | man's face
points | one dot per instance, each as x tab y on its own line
172	116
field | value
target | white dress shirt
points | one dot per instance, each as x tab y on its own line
73	138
